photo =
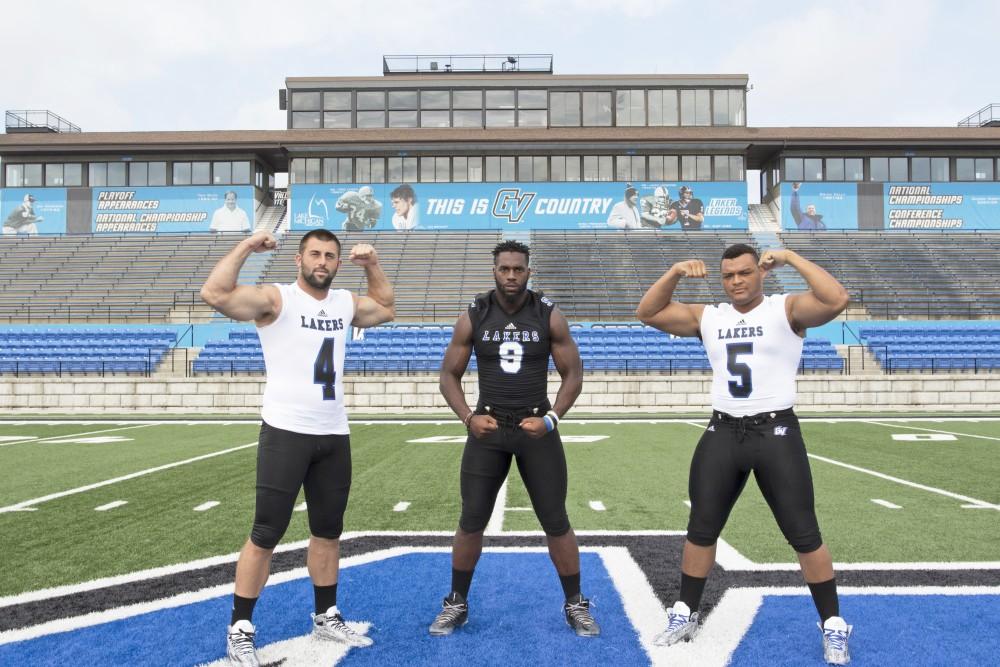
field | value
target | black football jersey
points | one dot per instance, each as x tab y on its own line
512	351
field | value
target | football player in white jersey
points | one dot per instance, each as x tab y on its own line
304	438
754	345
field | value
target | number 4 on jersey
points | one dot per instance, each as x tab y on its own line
323	370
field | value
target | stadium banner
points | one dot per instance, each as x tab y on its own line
200	208
891	206
496	206
33	210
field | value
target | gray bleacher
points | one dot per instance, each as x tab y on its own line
105	278
434	275
602	275
910	274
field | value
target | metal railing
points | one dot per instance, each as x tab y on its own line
988	115
99	367
37	119
484	63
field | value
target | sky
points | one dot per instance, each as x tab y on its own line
202	65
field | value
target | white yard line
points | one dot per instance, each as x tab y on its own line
597	506
72	435
495	525
111	505
934	430
62	494
886	503
206	506
915	485
401	506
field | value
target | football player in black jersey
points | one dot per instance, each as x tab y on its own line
513	330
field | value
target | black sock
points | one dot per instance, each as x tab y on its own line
325	596
461	581
242	609
570	584
825	598
691	590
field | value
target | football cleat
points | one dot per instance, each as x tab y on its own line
577	610
454	614
682	625
331	627
836	632
239	644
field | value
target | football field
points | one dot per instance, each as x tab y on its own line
119	542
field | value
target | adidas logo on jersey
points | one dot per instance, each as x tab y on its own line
510	327
741	322
321	313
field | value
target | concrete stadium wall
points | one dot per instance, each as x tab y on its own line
395	394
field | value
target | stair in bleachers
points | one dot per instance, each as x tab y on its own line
271	217
762	219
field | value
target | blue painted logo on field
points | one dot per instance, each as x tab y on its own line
515	618
902	630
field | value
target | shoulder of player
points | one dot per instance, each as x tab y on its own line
480	302
543	299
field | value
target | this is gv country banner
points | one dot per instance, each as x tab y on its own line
591	205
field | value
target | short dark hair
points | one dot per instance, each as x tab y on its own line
403	191
737	249
510	245
320	234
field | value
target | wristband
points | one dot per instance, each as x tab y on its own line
468	419
549	424
555	417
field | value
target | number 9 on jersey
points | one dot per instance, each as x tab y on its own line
511	353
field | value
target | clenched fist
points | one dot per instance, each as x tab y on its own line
773	259
363	254
691	268
262	241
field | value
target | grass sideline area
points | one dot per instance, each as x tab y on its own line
636	470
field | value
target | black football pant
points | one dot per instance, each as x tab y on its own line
769	445
287	462
541	462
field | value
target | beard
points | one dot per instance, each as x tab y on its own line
318	283
510	296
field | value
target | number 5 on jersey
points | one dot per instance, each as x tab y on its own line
744	387
324	372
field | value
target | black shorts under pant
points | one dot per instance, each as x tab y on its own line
541	462
288	461
772	448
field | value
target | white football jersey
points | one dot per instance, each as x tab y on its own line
754	356
304	356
